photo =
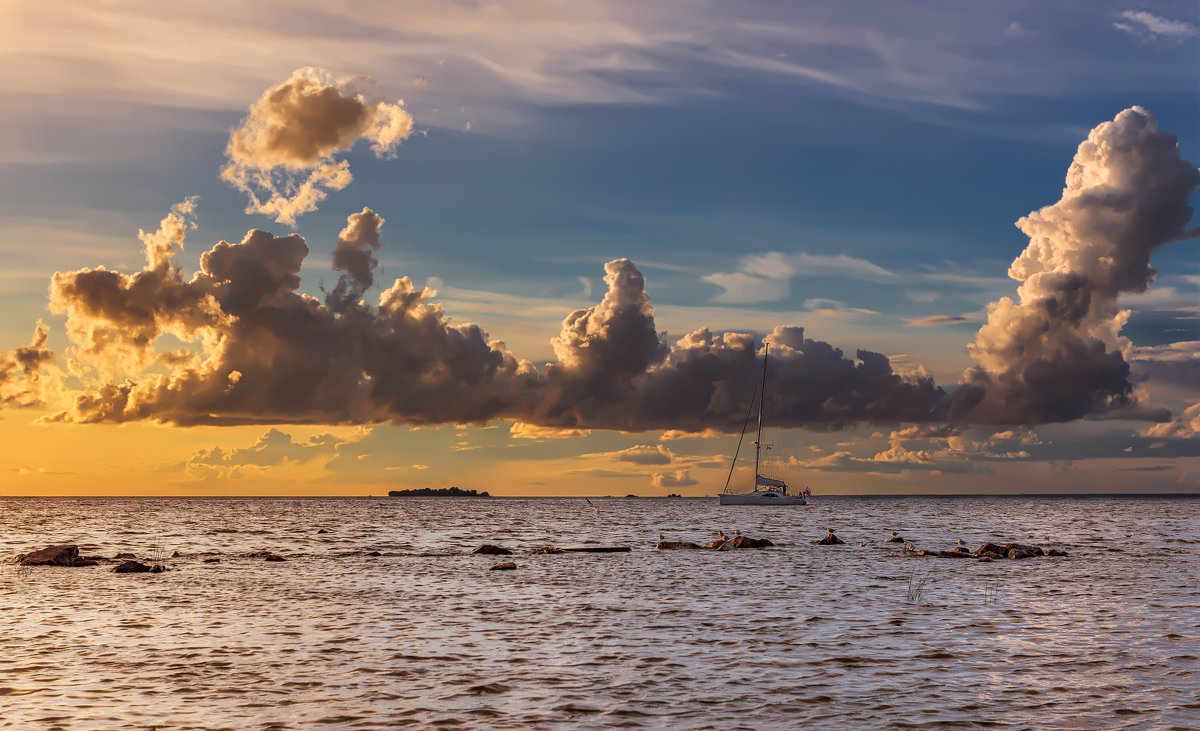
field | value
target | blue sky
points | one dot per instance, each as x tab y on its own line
879	152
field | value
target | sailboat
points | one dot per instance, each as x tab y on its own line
767	490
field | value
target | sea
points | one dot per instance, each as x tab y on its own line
863	635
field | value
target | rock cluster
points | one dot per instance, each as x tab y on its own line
721	544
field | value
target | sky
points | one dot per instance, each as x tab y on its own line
538	248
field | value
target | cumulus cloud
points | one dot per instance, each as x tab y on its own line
678	478
25	373
283	154
1057	353
1187	426
259	350
272	448
522	430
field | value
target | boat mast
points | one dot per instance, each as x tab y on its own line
761	400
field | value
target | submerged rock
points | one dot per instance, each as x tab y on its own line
212	560
895	539
125	555
830	540
720	544
509	566
372	553
59	555
1056	552
322	531
953	554
549	549
489	550
274	558
131	567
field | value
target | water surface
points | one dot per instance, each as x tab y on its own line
424	635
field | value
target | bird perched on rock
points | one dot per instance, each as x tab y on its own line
721	535
961	542
736	533
660	537
893	532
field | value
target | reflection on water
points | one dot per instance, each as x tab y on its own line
424	634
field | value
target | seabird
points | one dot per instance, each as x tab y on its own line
721	534
893	532
660	537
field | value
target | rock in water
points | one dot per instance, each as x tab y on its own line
720	545
125	556
490	550
510	566
744	542
131	567
60	555
273	557
830	540
549	549
895	539
675	545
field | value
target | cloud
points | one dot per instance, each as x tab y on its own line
647	454
679	478
1187	426
1057	353
264	352
25	373
522	430
354	256
766	277
272	449
673	434
1142	22
935	320
283	154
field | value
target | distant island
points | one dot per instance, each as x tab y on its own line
437	492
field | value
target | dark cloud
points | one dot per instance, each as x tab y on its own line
355	257
1057	354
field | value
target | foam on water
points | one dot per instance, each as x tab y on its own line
425	635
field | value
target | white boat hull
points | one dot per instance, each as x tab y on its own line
761	497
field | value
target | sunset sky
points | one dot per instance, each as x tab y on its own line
536	247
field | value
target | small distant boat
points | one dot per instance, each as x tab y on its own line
767	490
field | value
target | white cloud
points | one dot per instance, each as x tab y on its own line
1140	21
767	277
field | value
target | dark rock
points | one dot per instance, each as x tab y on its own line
490	550
593	548
984	559
549	549
675	545
157	568
989	555
830	540
963	550
175	554
322	531
510	566
1015	553
744	542
131	567
720	544
895	539
953	554
373	553
125	555
274	558
212	560
923	552
1056	552
60	555
992	548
